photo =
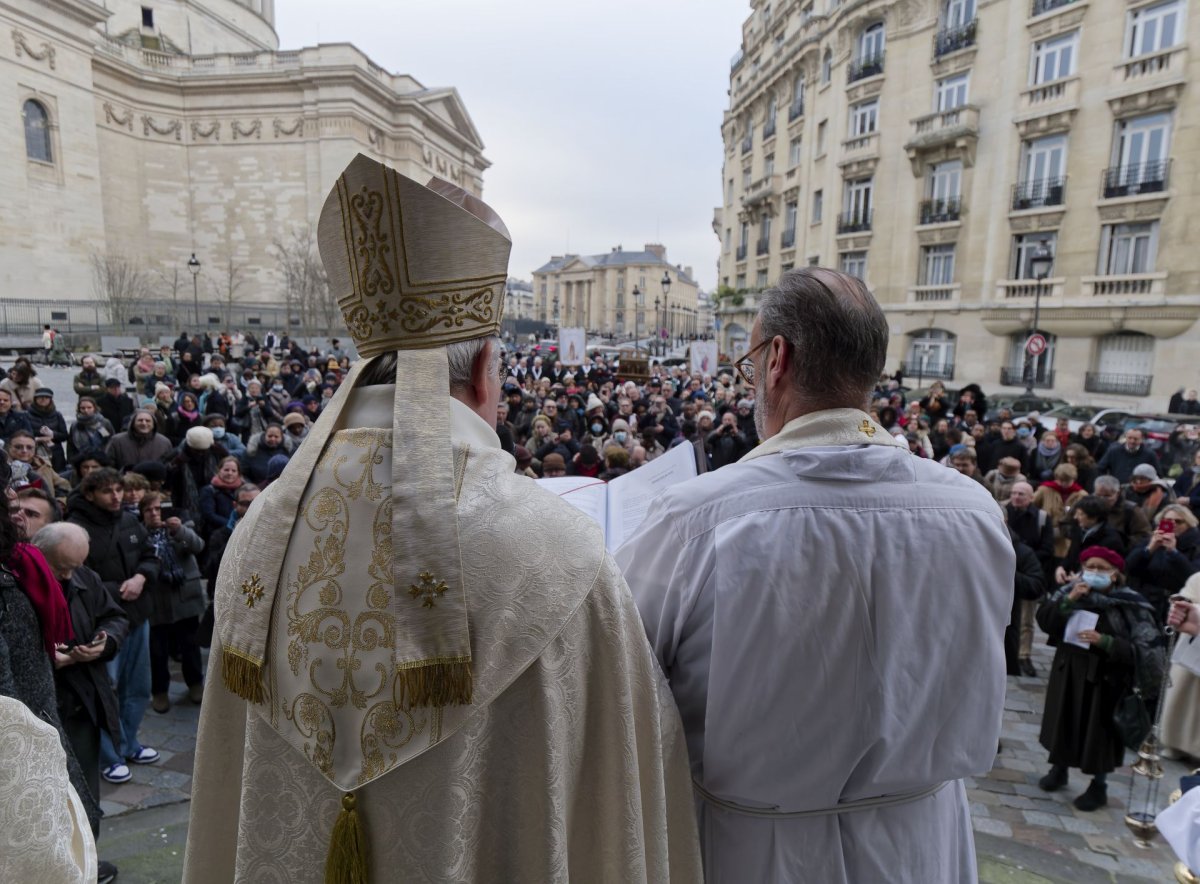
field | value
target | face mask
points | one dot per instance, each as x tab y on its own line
1023	433
619	435
597	429
579	411
218	432
1096	580
277	387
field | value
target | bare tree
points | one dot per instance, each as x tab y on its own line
233	278
305	286
121	284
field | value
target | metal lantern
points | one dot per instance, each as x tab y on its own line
1146	774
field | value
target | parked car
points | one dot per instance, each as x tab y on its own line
544	348
1022	405
1157	428
1078	415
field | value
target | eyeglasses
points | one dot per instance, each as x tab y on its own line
745	365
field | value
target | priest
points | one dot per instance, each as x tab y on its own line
837	674
403	687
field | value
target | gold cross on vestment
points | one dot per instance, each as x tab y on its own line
253	590
867	428
428	587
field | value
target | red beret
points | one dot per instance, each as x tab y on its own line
1103	552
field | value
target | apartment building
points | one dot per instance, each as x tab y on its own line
937	148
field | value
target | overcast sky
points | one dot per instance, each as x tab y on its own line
601	119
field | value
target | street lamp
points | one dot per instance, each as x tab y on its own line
665	282
556	314
637	319
1040	263
194	265
658	326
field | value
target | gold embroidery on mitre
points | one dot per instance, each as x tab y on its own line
253	590
429	587
412	266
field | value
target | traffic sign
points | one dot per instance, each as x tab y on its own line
1036	345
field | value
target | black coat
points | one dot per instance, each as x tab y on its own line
1119	463
120	548
88	684
1035	529
1085	685
58	426
1105	536
1029	585
1160	574
118	410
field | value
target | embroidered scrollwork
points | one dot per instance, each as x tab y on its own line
451	310
21	45
313	721
253	130
372	246
111	116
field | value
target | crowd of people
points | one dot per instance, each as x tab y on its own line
132	501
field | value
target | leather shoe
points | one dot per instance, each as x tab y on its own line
1094	798
1053	781
160	703
1026	667
106	872
196	693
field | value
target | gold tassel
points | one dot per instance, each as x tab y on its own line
347	859
435	685
242	675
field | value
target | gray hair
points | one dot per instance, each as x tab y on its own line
838	333
54	535
1112	483
460	356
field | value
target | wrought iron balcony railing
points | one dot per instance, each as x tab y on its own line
1135	178
949	40
1121	384
1039	192
867	66
854	222
940	211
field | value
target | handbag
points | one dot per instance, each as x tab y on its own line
1132	719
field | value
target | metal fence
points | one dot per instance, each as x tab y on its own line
85	322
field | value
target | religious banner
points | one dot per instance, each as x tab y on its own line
703	357
572	345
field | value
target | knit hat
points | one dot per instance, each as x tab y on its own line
620	424
1145	471
199	438
159	388
1103	552
524	458
594	403
113	382
43	391
152	470
705	414
294	418
553	460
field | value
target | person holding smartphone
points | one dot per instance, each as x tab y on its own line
1159	567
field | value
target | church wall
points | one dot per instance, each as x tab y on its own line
196	27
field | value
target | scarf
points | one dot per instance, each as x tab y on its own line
1049	453
37	582
1064	491
227	486
170	570
190	415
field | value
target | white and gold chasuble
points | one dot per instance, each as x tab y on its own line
568	763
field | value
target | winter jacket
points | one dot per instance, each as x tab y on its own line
1120	463
89	383
181	598
258	456
1160	574
13	421
92	610
58	426
127	449
91	435
118	410
120	548
1029	585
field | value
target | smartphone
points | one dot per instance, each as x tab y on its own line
168	510
1166	526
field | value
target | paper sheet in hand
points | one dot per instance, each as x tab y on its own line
1080	621
620	505
1187	654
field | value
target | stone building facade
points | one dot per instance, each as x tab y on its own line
932	146
596	292
151	130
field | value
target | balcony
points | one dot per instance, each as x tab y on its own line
736	61
929	294
860	145
1121	384
762	189
1021	289
939	211
854	222
1046	96
1134	179
762	247
741	251
1015	377
953	39
1141	284
796	111
769	129
747	144
1038	193
869	66
935	371
1041	7
787	239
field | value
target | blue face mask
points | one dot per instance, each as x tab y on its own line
1096	580
218	432
1023	433
619	435
597	429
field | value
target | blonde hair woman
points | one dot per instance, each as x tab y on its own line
1159	567
1055	498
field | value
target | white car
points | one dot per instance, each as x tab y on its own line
1078	415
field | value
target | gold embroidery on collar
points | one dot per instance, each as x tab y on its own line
867	429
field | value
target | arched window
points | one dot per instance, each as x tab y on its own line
798	90
870	43
931	355
37	131
827	66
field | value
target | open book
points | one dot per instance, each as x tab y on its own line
620	505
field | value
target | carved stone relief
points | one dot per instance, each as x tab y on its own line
213	130
111	116
294	129
174	127
254	130
21	46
